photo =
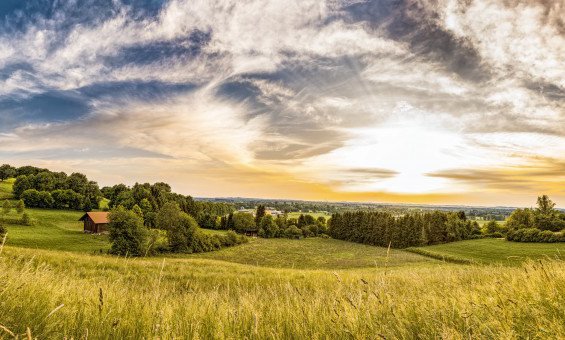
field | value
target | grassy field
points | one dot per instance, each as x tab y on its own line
55	283
313	214
6	189
70	295
484	222
314	253
55	229
498	251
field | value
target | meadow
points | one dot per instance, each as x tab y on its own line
57	282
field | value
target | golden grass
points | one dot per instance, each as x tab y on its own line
61	294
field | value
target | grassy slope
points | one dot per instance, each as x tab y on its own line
6	189
57	295
313	253
498	251
55	229
75	295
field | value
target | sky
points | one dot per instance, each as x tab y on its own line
410	101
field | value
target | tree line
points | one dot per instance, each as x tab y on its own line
265	225
174	231
150	198
414	229
41	188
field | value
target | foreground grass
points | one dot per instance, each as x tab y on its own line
58	295
313	253
497	251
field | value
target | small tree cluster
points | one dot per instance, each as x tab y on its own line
542	224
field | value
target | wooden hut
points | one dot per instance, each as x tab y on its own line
95	222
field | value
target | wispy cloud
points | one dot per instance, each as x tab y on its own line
366	98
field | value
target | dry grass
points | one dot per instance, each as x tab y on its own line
58	294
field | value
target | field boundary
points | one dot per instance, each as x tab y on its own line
439	256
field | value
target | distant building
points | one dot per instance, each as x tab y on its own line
95	222
274	212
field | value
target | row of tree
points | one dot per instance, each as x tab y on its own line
176	231
150	198
415	229
41	188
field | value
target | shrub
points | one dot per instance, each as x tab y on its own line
26	220
293	232
20	206
3	231
6	207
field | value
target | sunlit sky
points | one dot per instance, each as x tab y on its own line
413	101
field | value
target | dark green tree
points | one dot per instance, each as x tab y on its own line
128	235
7	171
260	212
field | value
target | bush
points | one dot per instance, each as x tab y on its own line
293	232
20	206
3	231
26	220
6	207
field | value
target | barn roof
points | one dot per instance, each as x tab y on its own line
98	217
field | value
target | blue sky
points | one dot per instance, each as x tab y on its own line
395	100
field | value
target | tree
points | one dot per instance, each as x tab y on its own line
20	206
6	207
521	218
181	228
137	210
243	222
269	227
546	216
7	171
128	235
259	214
491	227
545	206
78	183
87	205
22	184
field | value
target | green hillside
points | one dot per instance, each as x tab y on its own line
496	251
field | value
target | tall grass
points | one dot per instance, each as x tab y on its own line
57	295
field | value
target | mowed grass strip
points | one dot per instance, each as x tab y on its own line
69	295
498	251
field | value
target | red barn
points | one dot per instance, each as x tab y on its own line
95	222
